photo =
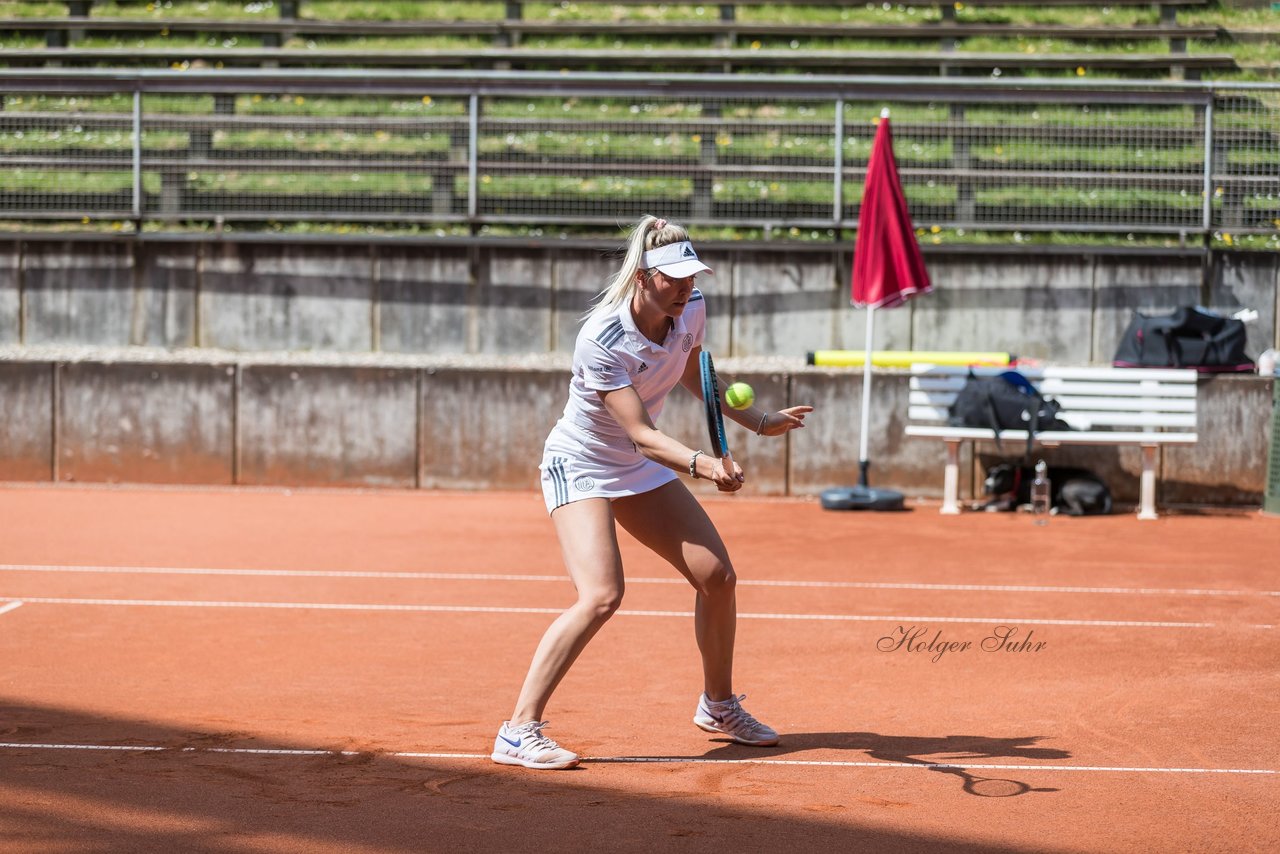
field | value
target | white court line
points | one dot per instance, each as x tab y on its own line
671	760
742	582
496	609
12	606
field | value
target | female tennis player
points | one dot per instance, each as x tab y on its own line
606	462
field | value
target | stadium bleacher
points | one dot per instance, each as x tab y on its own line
741	36
248	152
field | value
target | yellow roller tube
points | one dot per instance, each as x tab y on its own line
903	358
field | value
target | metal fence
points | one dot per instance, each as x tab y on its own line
766	153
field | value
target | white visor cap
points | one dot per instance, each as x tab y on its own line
676	260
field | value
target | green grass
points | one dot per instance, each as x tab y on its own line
330	142
1080	199
223	10
595	186
1038	155
613	110
338	107
1245	53
310	183
389	43
31	9
401	10
773	192
570	11
22	41
176	41
671	148
727	190
1229	17
71	141
38	181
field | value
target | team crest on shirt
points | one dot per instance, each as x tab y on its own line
583	483
688	342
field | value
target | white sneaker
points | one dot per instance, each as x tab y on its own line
729	718
526	745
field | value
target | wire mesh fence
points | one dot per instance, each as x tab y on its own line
157	149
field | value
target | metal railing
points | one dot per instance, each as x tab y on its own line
765	152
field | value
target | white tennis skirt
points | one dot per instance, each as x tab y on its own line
577	465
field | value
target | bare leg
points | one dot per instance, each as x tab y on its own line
590	548
672	523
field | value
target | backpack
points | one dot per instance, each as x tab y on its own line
1007	401
1190	337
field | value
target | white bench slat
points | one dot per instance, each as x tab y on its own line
1055	388
982	434
1125	404
1120	375
1085	420
1077	404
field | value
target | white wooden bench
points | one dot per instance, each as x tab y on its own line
1147	408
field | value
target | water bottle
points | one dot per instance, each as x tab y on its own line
1040	494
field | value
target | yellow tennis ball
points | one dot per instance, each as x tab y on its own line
739	395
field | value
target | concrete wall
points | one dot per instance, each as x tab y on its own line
384	408
26	420
320	426
153	423
506	298
397	426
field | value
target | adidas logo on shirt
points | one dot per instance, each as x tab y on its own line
643	367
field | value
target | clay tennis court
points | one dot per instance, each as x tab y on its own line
243	670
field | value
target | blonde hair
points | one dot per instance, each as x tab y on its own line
649	233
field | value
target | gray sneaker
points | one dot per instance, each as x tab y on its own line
732	720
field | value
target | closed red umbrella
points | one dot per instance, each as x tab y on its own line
888	269
887	265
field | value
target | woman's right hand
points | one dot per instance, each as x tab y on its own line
727	474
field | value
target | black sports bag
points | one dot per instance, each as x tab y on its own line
1190	337
1007	401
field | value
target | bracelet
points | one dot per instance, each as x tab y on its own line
760	429
693	465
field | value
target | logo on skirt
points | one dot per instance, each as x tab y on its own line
583	483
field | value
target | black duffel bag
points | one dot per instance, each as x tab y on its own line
1006	401
1191	337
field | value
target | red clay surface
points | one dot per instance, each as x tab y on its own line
1145	722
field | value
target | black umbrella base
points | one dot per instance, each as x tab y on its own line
861	498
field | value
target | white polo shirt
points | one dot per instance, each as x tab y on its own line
588	453
611	353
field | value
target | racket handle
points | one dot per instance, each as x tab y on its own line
727	463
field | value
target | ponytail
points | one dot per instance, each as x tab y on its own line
649	233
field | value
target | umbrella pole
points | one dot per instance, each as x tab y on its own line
863	462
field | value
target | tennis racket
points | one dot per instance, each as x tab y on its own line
711	402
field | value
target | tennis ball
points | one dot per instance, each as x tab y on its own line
739	395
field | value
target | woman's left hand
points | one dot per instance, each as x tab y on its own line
791	418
